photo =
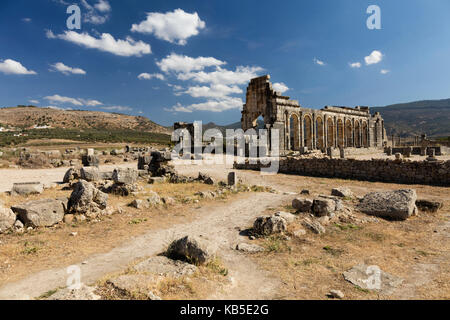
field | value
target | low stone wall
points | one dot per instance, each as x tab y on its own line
408	172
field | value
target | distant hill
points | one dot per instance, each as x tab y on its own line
431	117
27	117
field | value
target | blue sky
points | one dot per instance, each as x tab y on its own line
191	60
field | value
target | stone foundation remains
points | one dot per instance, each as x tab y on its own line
396	171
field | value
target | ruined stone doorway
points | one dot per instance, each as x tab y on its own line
348	134
320	134
331	136
340	134
294	132
307	131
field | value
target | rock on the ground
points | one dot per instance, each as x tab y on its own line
7	218
71	175
41	213
268	225
395	205
249	248
154	199
139	204
83	294
300	232
27	188
372	278
289	217
168	201
125	176
90	174
342	192
302	205
87	200
429	206
336	294
193	249
164	266
314	226
324	207
206	178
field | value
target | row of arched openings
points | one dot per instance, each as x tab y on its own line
338	134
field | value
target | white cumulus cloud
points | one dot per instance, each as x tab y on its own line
61	67
179	63
210	105
318	62
374	58
61	99
56	99
175	27
355	64
148	76
213	91
10	66
117	108
218	83
96	14
223	76
384	71
280	87
106	43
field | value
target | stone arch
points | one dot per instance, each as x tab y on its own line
365	132
348	133
308	131
320	133
331	132
357	134
340	134
294	132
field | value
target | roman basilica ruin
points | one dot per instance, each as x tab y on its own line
309	129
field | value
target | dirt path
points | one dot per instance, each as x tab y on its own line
218	223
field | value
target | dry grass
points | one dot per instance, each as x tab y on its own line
311	266
206	280
28	253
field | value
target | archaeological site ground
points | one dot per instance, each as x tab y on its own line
224	159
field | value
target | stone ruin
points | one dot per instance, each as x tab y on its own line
304	129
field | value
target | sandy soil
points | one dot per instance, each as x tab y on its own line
220	222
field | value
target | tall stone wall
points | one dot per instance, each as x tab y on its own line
407	172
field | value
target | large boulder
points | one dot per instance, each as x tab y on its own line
87	200
41	213
193	249
71	175
268	225
90	174
27	188
324	207
395	205
125	176
302	205
7	218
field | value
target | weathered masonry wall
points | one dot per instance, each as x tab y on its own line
300	128
408	172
